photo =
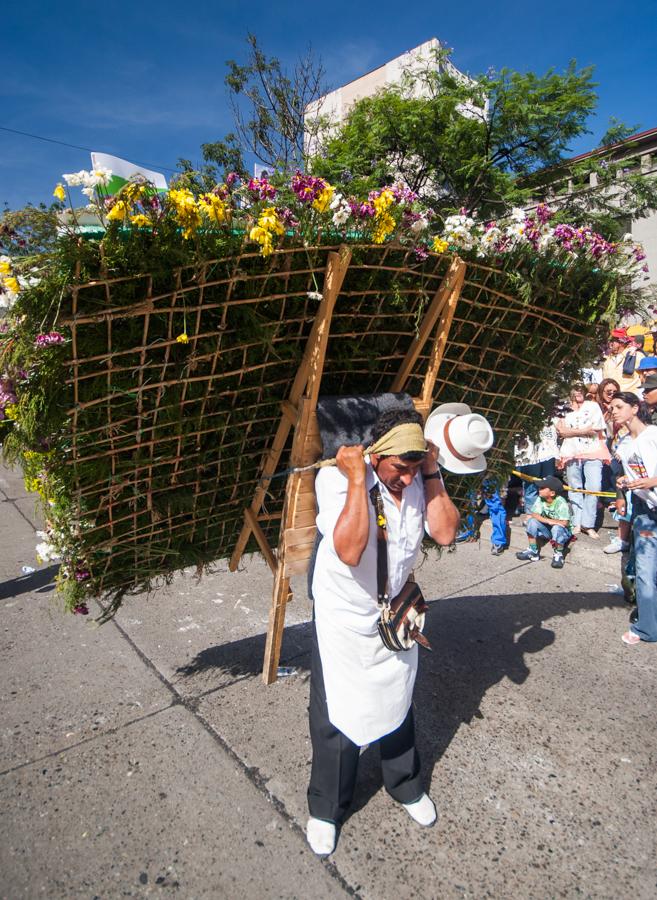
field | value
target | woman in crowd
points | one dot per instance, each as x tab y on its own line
639	458
583	451
621	541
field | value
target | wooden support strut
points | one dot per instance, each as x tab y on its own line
304	447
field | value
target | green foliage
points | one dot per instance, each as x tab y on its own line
461	142
616	132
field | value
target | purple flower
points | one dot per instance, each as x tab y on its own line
543	213
263	188
50	339
421	253
307	187
81	609
288	217
231	178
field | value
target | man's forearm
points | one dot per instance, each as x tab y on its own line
442	516
352	528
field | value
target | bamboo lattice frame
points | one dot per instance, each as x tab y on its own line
169	439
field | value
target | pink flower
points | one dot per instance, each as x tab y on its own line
231	178
50	339
81	609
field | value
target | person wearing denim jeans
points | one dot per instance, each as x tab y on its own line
639	458
583	451
549	519
584	473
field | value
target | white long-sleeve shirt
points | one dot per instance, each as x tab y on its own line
348	593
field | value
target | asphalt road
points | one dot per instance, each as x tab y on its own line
145	758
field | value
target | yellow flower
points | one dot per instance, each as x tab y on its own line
11	284
322	203
186	210
119	212
214	208
268	225
134	191
383	201
59	192
140	220
5	267
183	338
384	225
439	245
11	410
32	484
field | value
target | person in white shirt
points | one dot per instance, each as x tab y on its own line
582	453
360	691
639	458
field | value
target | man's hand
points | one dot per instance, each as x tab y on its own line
351	462
642	484
430	461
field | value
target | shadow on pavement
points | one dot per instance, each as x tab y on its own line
42	581
477	641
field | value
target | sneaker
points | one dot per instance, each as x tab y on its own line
557	560
422	811
528	554
615	545
497	549
321	836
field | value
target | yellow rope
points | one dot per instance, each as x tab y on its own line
566	486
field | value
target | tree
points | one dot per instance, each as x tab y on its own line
268	106
616	132
460	142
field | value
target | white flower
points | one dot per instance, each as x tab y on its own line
88	192
45	552
419	225
102	175
75	179
342	210
518	215
315	295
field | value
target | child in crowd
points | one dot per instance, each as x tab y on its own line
549	519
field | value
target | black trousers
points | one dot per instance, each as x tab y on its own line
335	757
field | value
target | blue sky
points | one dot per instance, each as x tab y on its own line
144	80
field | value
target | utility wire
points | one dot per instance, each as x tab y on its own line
38	137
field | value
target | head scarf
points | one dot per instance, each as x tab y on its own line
406	438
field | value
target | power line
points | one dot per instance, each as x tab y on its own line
38	137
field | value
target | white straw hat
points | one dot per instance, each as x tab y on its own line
461	436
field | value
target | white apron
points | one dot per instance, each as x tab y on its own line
368	687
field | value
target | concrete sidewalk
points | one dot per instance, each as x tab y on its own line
146	758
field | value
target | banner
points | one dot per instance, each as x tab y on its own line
123	171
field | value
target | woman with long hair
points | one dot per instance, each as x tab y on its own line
639	458
606	390
583	451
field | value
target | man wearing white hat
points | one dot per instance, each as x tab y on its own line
360	690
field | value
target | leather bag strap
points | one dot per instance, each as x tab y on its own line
381	547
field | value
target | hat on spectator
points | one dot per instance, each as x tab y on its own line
648	362
551	482
650	384
619	334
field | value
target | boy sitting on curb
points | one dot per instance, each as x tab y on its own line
549	518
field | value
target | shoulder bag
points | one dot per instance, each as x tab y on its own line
401	619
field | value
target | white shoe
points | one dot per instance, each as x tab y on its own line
321	836
422	811
615	545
